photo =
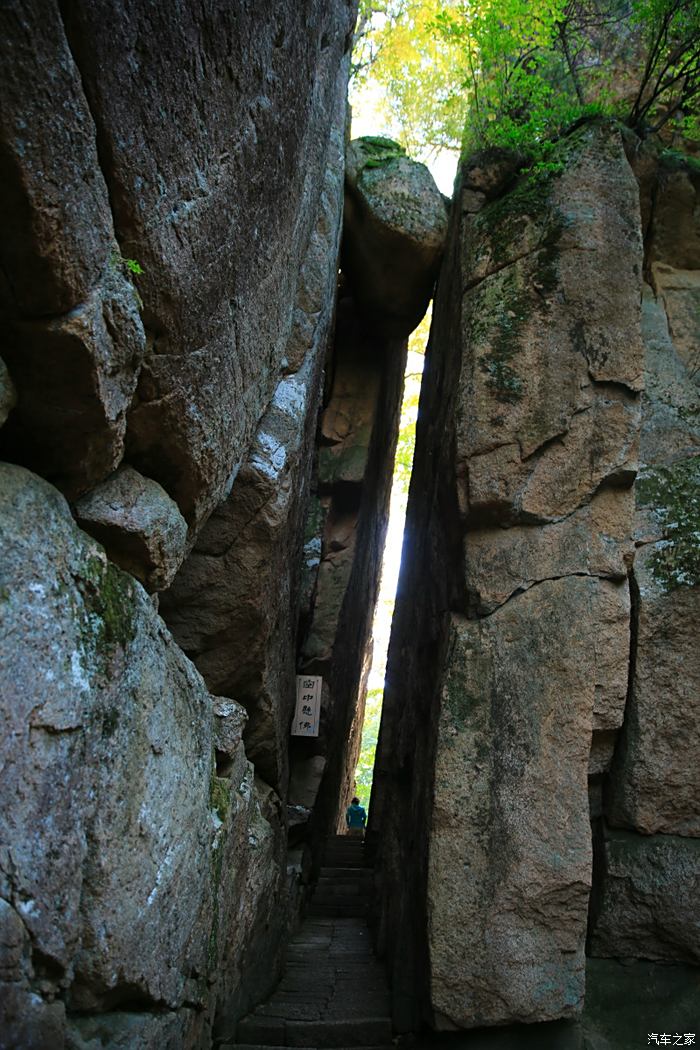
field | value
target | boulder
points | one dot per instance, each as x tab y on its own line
394	231
138	524
114	809
653	787
75	377
233	607
508	665
671	402
101	702
647	905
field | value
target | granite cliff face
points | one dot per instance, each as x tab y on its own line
541	670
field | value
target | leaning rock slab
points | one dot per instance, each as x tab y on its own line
138	524
649	893
394	232
231	605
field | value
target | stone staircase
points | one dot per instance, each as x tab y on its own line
334	992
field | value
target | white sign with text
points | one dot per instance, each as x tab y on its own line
308	710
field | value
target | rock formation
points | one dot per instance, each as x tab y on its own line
172	192
198	418
528	680
171	197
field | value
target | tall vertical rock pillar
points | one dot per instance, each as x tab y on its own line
509	654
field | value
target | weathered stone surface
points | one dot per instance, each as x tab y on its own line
671	402
234	605
217	202
358	435
54	209
100	702
507	923
348	419
75	376
340	538
114	813
138	524
654	785
625	1002
8	394
305	780
547	407
680	292
595	540
249	929
648	898
675	232
394	231
28	1021
508	664
229	721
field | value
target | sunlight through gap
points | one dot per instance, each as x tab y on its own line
391	561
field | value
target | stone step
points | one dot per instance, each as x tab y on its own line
326	1033
340	889
357	872
260	1046
338	909
339	872
343	860
336	900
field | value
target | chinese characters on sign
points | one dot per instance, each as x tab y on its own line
308	709
666	1039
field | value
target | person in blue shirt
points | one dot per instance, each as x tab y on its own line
356	817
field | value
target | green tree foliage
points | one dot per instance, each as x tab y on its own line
517	72
368	748
419	70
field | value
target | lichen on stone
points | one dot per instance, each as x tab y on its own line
220	796
379	150
107	620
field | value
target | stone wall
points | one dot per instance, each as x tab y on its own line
541	647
